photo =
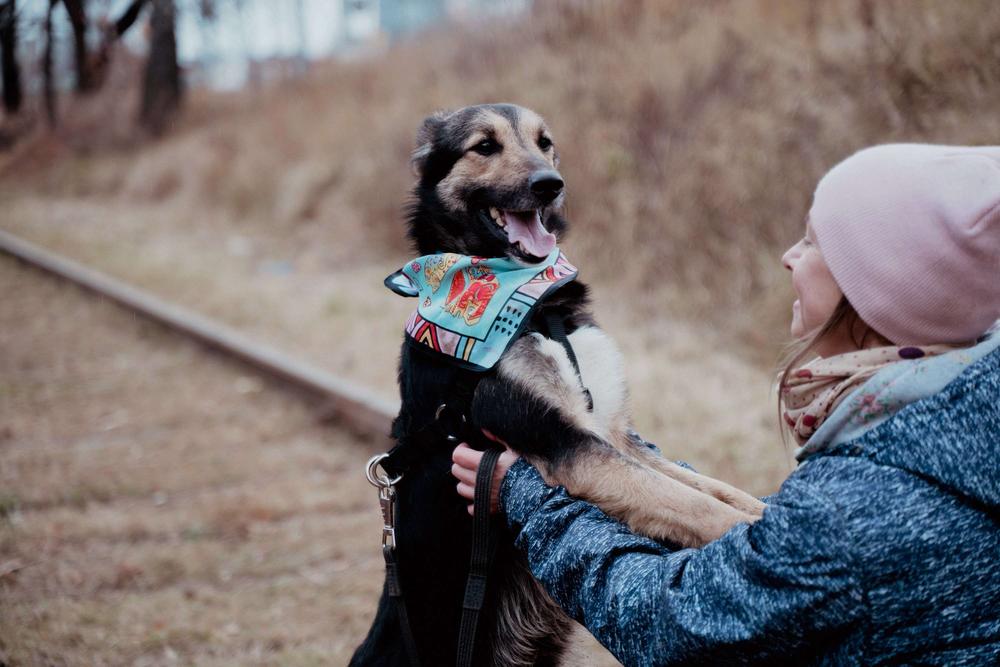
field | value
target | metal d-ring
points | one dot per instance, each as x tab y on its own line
377	480
437	417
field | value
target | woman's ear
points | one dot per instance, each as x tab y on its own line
427	137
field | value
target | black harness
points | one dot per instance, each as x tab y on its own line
451	424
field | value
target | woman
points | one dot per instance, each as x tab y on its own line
883	546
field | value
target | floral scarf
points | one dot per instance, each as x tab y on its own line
813	391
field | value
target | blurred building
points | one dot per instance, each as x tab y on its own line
260	41
374	20
360	22
400	17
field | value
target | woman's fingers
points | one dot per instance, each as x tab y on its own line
466	491
466	457
466	463
463	474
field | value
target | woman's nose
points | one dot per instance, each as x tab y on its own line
792	255
786	259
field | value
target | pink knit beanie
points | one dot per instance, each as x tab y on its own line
911	234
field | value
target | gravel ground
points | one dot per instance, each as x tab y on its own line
162	505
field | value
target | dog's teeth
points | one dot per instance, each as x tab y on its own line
497	217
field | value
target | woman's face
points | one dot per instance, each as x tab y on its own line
817	292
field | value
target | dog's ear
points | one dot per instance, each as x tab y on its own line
426	136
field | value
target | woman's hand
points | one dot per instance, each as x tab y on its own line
466	463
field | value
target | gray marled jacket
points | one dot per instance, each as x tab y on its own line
882	550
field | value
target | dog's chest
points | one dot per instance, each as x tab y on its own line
603	374
546	368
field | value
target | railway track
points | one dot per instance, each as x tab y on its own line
356	407
162	503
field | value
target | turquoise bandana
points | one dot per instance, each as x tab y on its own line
472	308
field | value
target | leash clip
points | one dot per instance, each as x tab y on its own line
387	501
386	498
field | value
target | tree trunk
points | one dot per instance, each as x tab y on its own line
78	19
48	85
128	17
101	59
161	90
8	58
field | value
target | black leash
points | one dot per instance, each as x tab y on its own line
485	533
396	596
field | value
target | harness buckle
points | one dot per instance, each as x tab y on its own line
378	478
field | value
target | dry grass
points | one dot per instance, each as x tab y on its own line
161	506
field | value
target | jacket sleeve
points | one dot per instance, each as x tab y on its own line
779	588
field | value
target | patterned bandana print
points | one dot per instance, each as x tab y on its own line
814	390
471	308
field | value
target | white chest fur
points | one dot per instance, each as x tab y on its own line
601	372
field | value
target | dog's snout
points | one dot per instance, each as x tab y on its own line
546	184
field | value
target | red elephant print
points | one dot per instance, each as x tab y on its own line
469	295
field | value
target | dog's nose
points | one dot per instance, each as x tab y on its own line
546	184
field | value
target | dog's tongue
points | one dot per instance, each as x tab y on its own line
526	227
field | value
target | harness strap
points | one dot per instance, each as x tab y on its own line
557	332
396	596
485	531
449	424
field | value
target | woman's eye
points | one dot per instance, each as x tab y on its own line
486	147
544	143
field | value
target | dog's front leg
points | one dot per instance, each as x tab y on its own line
727	493
533	404
649	502
601	365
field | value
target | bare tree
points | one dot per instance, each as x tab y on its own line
8	57
78	19
48	84
161	90
127	18
112	32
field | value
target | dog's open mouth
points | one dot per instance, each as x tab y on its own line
525	232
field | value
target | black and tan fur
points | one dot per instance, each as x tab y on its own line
468	162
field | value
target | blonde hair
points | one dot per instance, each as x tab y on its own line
843	315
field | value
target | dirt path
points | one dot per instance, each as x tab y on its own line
160	505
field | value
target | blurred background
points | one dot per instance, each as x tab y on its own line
248	159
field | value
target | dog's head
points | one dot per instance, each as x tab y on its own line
488	185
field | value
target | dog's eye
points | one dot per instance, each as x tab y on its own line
486	147
544	143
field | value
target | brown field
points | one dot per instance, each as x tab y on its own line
691	135
160	505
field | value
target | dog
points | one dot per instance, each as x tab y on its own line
488	185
